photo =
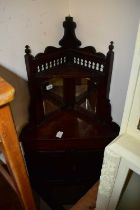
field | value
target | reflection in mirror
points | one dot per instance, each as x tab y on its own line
138	127
86	92
49	107
81	86
57	86
53	90
129	198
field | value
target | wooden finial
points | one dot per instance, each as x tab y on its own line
69	39
27	49
111	46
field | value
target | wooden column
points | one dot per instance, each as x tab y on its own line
11	148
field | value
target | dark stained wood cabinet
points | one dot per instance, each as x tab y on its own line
69	92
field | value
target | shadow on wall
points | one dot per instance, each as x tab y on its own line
20	104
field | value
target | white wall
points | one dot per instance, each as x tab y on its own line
102	21
39	24
130	198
